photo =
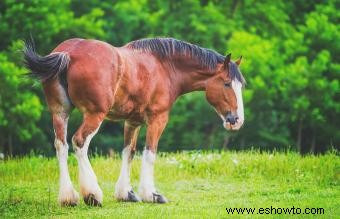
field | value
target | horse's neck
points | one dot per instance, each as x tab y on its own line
192	80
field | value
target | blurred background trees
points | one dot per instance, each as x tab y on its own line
291	63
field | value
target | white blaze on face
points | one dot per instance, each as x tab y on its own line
237	87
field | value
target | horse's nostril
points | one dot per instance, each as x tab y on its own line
231	120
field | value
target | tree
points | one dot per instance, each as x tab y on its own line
19	109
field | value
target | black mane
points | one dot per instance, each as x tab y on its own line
165	48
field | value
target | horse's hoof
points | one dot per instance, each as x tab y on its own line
158	198
132	197
91	200
69	204
68	198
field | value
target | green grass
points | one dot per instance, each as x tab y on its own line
198	185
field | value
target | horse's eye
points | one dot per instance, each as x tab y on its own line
227	84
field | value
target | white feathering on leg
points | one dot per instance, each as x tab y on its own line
147	186
87	177
67	194
123	184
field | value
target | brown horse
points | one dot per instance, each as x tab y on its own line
138	83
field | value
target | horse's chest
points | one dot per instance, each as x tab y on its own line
127	110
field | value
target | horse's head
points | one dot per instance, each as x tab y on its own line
224	93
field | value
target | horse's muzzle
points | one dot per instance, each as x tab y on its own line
232	122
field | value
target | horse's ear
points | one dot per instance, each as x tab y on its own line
238	62
227	61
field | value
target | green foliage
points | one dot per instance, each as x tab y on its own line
291	63
199	184
19	108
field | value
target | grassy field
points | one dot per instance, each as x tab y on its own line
198	185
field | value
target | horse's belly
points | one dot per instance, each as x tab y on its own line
115	117
124	113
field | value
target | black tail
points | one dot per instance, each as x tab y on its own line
46	67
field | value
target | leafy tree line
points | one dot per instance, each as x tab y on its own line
291	63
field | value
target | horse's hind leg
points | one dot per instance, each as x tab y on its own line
60	107
123	189
89	187
67	195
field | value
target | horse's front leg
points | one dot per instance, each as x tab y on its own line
123	189
147	189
